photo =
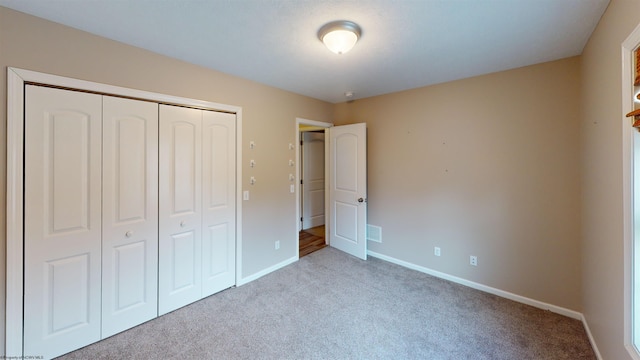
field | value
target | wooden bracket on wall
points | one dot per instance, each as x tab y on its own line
636	118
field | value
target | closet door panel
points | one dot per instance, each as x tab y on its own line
62	220
180	230
130	214
218	194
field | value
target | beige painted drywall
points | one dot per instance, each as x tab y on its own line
268	119
486	166
491	165
602	153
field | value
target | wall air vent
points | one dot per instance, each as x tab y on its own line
374	233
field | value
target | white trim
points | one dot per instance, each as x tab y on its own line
505	294
326	125
48	79
627	48
474	285
16	78
238	195
267	271
15	175
590	336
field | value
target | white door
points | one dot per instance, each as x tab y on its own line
219	202
312	179
180	207
130	214
348	189
62	220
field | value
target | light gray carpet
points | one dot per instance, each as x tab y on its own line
330	305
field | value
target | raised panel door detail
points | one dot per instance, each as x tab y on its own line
217	155
183	264
218	192
62	200
130	275
67	288
130	170
184	172
217	250
346	174
130	214
346	215
180	207
66	133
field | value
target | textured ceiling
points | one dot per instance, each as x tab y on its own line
404	44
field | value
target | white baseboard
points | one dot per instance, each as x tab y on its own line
474	285
266	271
591	339
505	294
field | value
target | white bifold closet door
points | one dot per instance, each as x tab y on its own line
91	219
218	201
129	214
180	240
63	172
197	205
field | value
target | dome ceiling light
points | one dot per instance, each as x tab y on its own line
339	36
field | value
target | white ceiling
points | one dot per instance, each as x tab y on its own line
404	44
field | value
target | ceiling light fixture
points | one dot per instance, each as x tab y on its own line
339	36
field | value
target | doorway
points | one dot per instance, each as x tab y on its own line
311	181
345	185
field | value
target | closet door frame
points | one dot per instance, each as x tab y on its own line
16	80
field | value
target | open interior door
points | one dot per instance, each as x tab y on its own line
348	189
313	196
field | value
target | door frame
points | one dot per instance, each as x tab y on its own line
630	138
16	80
320	124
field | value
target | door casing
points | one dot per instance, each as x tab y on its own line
319	124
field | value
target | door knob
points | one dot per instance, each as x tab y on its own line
360	200
128	233
183	223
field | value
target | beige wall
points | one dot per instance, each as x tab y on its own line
502	166
602	211
268	119
486	166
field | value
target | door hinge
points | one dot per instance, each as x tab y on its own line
301	142
300	181
300	218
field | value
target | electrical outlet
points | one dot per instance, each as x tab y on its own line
277	245
473	260
436	251
245	195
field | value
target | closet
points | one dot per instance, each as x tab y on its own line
197	212
129	213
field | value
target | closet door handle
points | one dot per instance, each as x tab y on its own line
128	234
183	223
